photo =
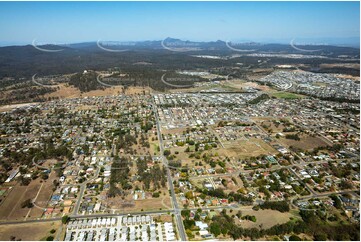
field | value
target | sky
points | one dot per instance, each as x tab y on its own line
72	22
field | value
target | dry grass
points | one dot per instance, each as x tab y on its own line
68	91
148	204
11	209
12	202
32	231
247	148
265	218
346	65
306	142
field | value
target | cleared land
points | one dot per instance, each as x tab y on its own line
306	142
10	208
247	148
31	231
265	218
67	91
148	204
5	108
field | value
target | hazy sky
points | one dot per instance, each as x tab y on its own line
65	22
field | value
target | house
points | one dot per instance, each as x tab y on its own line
224	201
202	227
214	202
67	202
13	173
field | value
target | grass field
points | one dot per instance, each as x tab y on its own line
286	95
265	218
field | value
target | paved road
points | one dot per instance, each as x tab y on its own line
177	213
289	167
39	166
81	193
326	194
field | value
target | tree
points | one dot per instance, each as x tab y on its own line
337	201
281	206
215	229
27	204
189	195
65	219
186	213
320	236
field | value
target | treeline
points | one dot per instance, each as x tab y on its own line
26	94
232	196
119	177
293	136
154	176
26	158
125	141
85	82
259	99
310	224
281	206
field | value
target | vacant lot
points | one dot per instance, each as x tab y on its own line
148	204
265	218
10	208
31	231
306	142
68	91
42	196
11	202
14	106
247	148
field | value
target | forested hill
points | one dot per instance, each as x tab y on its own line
25	61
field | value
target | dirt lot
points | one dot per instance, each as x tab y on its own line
5	108
149	203
31	231
11	201
239	84
43	196
67	91
247	148
306	142
11	209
